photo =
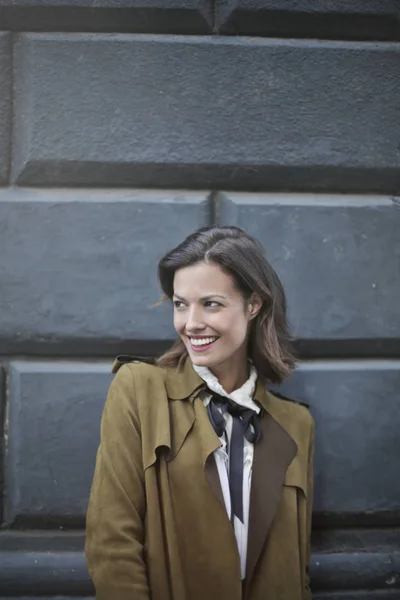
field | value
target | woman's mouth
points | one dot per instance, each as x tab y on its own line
202	344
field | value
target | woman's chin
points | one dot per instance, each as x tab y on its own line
201	360
205	361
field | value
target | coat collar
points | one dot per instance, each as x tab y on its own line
181	384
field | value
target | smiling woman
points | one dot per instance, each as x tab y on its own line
222	285
214	326
203	482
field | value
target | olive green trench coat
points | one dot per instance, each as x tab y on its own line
157	527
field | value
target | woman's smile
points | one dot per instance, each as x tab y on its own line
201	344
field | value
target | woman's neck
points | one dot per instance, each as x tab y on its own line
231	378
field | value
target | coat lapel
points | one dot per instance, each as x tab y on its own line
213	479
183	390
272	457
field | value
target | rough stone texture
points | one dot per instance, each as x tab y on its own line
57	540
81	266
346	571
355	19
142	16
44	573
355	406
355	539
5	104
53	435
338	258
225	114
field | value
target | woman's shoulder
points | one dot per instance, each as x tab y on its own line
290	408
295	417
172	382
280	396
139	385
128	359
140	369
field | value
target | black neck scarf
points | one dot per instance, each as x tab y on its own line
245	424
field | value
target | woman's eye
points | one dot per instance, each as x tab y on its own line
177	303
207	304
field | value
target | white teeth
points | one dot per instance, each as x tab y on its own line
202	341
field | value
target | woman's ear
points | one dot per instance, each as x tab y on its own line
254	305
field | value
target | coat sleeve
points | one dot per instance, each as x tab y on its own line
117	506
310	488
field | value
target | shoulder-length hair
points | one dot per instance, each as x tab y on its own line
242	257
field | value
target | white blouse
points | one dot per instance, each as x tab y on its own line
244	397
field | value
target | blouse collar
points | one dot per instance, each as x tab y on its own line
242	396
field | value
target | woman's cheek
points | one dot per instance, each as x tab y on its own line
178	323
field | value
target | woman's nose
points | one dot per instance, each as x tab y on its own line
194	321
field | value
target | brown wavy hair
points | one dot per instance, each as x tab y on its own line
242	257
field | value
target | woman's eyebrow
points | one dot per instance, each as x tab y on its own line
203	298
213	296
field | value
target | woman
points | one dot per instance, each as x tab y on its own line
203	481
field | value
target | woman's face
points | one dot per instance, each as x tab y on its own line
211	316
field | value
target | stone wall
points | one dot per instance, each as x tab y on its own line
125	125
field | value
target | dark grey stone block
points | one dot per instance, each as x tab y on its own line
359	571
5	104
356	539
353	20
206	113
355	406
50	540
80	267
141	16
338	258
53	435
44	573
